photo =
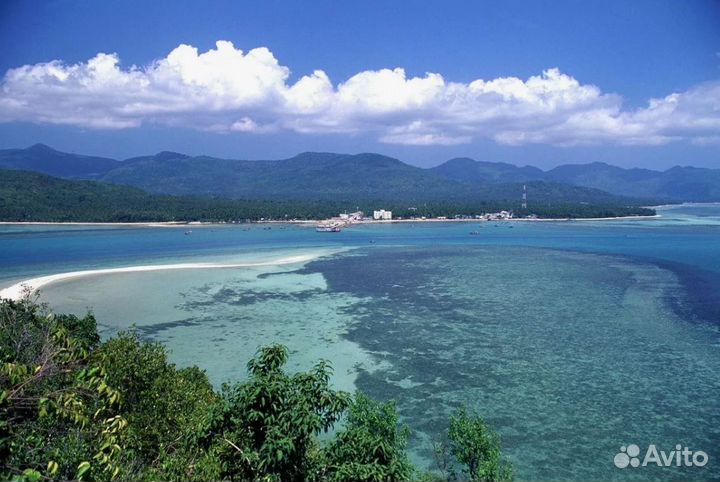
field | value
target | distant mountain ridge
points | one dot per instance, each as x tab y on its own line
322	175
328	176
675	184
464	168
45	159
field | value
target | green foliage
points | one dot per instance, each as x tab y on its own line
27	196
372	445
476	447
163	405
265	428
74	409
59	415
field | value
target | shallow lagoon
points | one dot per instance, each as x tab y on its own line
571	338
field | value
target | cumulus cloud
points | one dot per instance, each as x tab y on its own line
228	90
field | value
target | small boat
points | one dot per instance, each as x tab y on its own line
188	232
474	233
327	228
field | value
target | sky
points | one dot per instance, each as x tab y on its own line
635	84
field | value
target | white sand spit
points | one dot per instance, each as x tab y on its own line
16	291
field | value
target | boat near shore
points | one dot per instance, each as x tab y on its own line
328	228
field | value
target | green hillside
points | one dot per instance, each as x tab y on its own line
306	176
41	158
675	184
328	176
30	196
325	176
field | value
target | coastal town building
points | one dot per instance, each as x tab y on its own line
356	216
382	215
502	215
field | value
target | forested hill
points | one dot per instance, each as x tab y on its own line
675	184
30	196
42	158
328	176
306	176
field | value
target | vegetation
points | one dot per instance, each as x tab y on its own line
475	446
675	184
73	408
41	158
29	196
328	176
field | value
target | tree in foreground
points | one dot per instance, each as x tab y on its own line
72	408
372	445
59	416
266	427
475	446
163	405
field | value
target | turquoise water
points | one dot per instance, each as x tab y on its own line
572	338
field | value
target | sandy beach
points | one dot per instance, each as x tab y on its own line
16	291
179	224
155	224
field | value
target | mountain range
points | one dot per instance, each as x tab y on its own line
675	184
332	176
42	158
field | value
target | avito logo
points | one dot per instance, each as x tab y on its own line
681	456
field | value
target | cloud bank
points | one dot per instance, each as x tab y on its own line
228	90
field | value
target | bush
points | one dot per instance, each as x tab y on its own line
73	408
372	446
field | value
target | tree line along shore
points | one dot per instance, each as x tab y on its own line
33	197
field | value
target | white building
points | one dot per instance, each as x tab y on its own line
356	216
382	214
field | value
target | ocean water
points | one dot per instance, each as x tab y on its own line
571	338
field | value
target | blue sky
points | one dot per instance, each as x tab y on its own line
560	81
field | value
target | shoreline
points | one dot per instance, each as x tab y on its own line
435	220
183	224
16	291
149	224
684	204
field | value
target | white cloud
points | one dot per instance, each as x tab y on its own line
228	90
